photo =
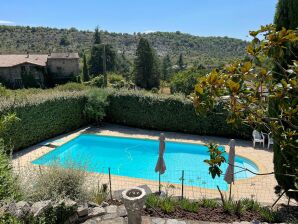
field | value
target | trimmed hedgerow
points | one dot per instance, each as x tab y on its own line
43	115
170	113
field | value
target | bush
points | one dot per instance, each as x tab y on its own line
56	183
97	81
95	109
184	81
9	188
43	115
170	113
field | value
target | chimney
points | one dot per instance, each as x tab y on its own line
67	54
27	54
49	54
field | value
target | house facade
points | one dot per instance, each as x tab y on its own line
16	70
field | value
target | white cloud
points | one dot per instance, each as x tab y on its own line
149	31
6	22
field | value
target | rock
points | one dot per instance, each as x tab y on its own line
22	209
93	204
110	216
39	207
121	210
146	220
175	221
104	204
117	194
111	209
73	219
146	188
70	203
118	220
158	221
82	210
97	211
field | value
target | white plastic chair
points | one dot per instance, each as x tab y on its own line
270	140
258	138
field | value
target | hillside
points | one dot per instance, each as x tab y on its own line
203	50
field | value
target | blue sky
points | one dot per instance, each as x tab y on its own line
233	18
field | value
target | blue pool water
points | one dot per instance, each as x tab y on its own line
137	158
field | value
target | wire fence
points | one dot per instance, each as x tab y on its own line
178	183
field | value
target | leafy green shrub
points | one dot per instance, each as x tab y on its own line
43	115
97	81
170	113
71	86
95	108
188	205
208	203
99	194
184	81
56	183
9	188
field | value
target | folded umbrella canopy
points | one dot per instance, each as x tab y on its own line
160	165
229	175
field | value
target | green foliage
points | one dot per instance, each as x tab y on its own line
43	114
166	204
169	113
146	66
95	108
286	14
208	203
215	161
97	81
96	61
188	205
64	41
96	37
99	194
180	62
185	81
166	68
85	75
6	218
57	183
116	81
9	188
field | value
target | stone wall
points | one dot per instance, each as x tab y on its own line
62	68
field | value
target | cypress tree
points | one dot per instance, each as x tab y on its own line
146	66
85	77
286	14
166	68
96	38
181	62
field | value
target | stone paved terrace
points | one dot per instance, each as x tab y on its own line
260	188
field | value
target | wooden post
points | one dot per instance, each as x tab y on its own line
110	181
182	185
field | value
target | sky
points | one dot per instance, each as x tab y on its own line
232	18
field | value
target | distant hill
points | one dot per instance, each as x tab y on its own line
196	50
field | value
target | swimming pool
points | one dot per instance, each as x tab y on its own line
137	158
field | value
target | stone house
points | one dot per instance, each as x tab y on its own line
40	68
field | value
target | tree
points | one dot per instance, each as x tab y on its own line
286	14
166	68
96	37
146	66
249	88
64	41
181	62
99	53
85	77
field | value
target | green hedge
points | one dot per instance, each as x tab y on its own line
170	113
43	115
